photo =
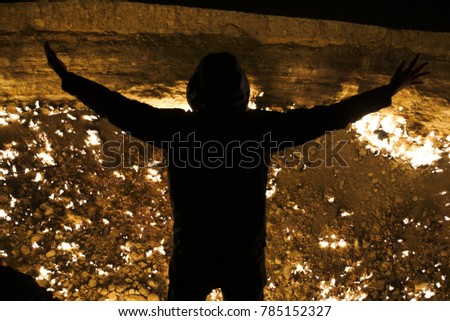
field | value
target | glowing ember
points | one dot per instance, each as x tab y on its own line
345	214
13	201
89	117
8	154
93	139
154	175
272	186
46	159
38	177
3	214
332	242
129	213
67	246
160	249
101	272
119	175
44	273
302	269
3	117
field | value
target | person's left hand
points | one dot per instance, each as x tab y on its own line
54	62
404	77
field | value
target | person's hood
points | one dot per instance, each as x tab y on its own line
218	83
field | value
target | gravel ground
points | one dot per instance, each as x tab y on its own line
377	229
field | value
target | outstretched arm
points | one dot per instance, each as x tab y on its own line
317	120
93	95
127	114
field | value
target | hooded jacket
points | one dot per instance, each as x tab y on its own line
218	83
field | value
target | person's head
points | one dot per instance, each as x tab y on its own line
219	83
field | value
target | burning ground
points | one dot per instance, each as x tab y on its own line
377	229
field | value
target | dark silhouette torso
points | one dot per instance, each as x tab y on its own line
219	211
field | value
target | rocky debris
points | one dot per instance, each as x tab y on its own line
385	247
50	254
153	297
25	250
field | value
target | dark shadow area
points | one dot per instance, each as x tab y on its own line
17	286
430	16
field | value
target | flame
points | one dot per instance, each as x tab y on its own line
46	159
3	214
93	138
65	246
386	134
154	175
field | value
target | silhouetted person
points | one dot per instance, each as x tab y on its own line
218	157
17	286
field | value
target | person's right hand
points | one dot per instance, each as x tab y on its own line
54	62
404	77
